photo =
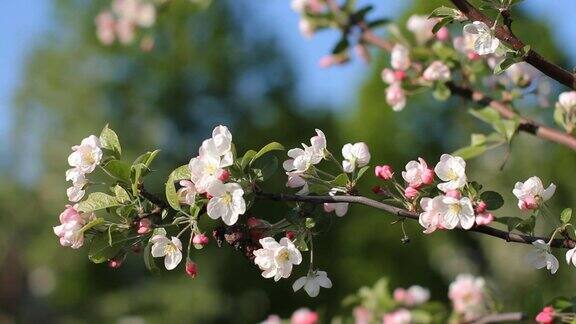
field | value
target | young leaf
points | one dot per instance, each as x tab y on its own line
121	194
149	259
492	199
246	159
181	173
469	152
146	158
118	169
100	248
109	140
361	172
566	215
265	167
274	146
97	201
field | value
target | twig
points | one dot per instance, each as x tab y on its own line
502	317
505	34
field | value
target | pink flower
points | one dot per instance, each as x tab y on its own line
417	173
443	34
70	229
484	218
415	295
384	172
401	316
546	316
361	315
411	193
304	316
144	225
480	207
395	97
467	296
115	263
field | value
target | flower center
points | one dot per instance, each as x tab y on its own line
88	157
227	198
452	175
169	249
283	256
210	168
455	208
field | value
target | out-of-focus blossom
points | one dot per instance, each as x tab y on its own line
400	316
421	26
395	97
400	57
546	315
362	315
481	37
70	229
304	316
413	296
467	296
437	71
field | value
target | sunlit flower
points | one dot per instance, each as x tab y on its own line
304	316
355	156
187	193
541	257
312	283
458	212
207	167
295	180
395	97
70	229
452	170
531	193
87	155
433	212
467	296
413	296
227	202
276	259
567	101
417	173
400	57
170	249
302	159
482	38
437	71
421	26
400	316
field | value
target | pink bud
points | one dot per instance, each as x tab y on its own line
480	207
443	34
291	235
400	295
410	193
384	172
200	239
454	194
191	268
484	218
224	175
546	316
399	75
528	203
115	263
144	226
428	176
472	56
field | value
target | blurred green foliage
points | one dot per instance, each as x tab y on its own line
207	70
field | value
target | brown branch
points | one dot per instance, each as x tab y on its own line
487	230
504	34
502	317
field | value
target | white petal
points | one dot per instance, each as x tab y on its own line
299	283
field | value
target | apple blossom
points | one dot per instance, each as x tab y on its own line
458	212
355	155
76	192
481	37
200	239
522	73
304	316
70	229
432	216
400	316
187	193
395	97
276	259
340	208
452	170
400	57
546	316
87	155
531	193
384	172
411	192
541	257
272	319
227	202
105	27
484	218
295	180
567	101
312	282
302	159
480	207
362	315
206	168
437	71
467	296
413	296
421	26
170	249
417	173
144	225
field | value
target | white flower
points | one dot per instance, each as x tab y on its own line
227	201
458	211
355	155
312	283
295	180
339	208
571	256
87	155
432	217
206	168
480	35
541	257
318	142
417	173
421	26
302	159
467	296
306	28
395	97
187	193
299	6
400	57
531	193
437	71
222	140
417	295
567	101
76	192
170	249
452	170
276	259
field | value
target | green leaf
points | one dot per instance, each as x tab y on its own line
181	173
146	158
527	225
566	215
121	194
441	91
492	199
100	248
274	146
561	303
341	46
265	167
469	152
341	180
444	11
362	171
118	169
505	64
477	139
97	201
246	159
443	22
149	259
109	140
487	115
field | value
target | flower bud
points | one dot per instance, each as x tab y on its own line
410	193
144	225
546	316
472	56
200	239
454	194
191	268
484	218
224	175
291	235
428	176
384	172
480	207
115	263
377	190
399	75
443	34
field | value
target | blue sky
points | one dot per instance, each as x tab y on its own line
22	23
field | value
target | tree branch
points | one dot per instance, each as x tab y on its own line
504	34
502	317
487	230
